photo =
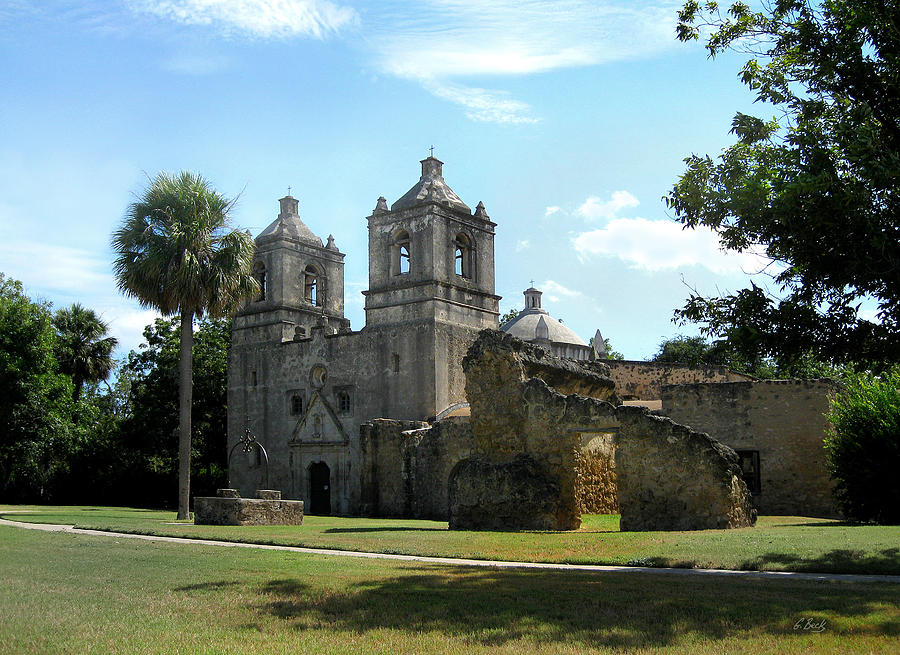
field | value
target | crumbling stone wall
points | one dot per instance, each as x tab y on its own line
671	477
644	380
528	469
781	419
406	465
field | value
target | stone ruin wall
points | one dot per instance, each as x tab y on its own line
644	380
783	420
406	465
528	469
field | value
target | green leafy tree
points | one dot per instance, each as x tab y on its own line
693	351
148	431
83	351
35	399
816	188
176	252
508	316
863	447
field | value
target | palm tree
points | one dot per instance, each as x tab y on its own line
177	252
83	350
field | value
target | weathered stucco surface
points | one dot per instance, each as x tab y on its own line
784	420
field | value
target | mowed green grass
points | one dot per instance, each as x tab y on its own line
67	593
775	544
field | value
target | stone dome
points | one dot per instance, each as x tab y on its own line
535	324
289	226
531	323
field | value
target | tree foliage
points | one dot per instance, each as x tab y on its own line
35	399
149	429
83	351
177	252
816	188
863	447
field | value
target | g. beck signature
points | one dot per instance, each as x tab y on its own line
810	625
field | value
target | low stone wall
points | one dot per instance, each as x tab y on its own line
671	477
228	508
783	420
644	380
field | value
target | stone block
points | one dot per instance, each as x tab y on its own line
213	510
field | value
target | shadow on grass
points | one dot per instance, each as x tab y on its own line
615	611
385	529
886	562
208	586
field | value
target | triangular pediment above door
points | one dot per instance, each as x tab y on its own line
319	423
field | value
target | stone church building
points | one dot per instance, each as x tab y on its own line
302	382
311	390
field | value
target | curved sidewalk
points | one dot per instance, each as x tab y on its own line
451	561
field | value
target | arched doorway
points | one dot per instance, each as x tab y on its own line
319	489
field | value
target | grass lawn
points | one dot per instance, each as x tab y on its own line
66	593
775	544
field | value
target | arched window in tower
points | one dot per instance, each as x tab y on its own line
400	253
462	255
259	272
312	289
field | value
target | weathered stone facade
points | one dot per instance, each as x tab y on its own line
782	422
302	382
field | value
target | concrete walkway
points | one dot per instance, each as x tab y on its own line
450	561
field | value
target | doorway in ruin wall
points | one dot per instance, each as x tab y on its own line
319	489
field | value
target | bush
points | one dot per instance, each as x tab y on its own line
863	447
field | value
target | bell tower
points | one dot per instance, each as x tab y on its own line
301	281
431	257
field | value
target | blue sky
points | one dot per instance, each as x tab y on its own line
569	120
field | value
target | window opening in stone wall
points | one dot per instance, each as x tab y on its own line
253	378
259	272
296	404
312	293
400	260
463	256
343	398
749	462
395	360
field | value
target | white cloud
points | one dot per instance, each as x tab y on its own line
54	268
257	18
549	211
660	245
550	286
522	244
437	42
595	208
448	38
482	105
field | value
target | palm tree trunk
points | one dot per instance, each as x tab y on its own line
185	393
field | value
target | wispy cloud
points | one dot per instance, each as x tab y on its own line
554	290
663	244
257	18
594	208
440	42
522	244
549	211
482	105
